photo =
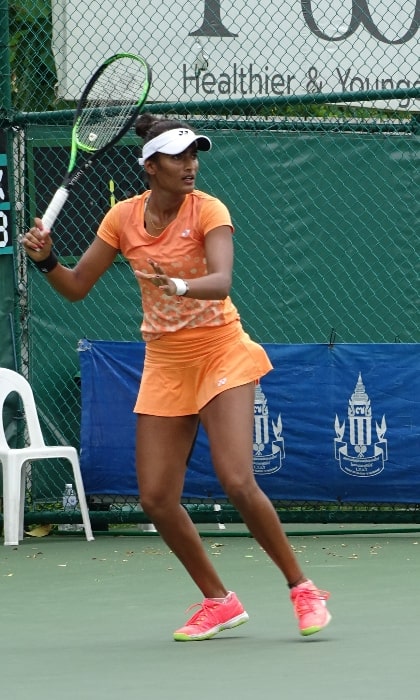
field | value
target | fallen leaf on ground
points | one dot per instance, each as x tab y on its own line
39	531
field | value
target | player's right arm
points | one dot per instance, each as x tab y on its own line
72	283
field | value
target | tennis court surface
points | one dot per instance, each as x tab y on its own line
95	620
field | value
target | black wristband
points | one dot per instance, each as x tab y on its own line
48	264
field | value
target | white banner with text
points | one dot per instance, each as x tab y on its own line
220	49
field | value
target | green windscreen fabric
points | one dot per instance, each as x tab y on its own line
326	233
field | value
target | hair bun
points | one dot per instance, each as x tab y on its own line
144	122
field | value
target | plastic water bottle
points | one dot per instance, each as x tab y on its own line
70	504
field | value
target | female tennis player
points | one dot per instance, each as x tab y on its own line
200	365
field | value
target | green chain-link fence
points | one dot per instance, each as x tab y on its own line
313	111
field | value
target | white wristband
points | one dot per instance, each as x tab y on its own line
181	286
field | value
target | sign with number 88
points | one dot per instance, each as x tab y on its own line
4	235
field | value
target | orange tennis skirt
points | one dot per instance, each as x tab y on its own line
184	370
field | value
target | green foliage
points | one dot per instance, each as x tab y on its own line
32	63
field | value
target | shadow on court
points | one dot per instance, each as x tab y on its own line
95	621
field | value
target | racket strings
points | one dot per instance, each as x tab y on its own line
110	103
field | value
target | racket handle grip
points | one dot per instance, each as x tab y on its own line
54	208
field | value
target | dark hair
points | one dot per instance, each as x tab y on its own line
148	126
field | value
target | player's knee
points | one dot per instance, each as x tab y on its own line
240	490
153	502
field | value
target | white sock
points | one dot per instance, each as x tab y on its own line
220	600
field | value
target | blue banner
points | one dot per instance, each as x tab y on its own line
334	423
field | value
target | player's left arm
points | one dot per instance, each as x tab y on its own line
216	284
218	246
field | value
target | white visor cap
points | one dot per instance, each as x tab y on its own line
173	142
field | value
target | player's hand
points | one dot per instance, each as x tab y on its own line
158	278
36	242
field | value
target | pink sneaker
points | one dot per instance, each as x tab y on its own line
211	618
310	607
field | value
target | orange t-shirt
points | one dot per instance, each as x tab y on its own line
179	250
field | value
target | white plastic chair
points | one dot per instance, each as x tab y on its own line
14	461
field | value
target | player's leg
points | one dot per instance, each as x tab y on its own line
228	420
162	449
163	446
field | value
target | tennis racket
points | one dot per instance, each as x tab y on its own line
108	107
